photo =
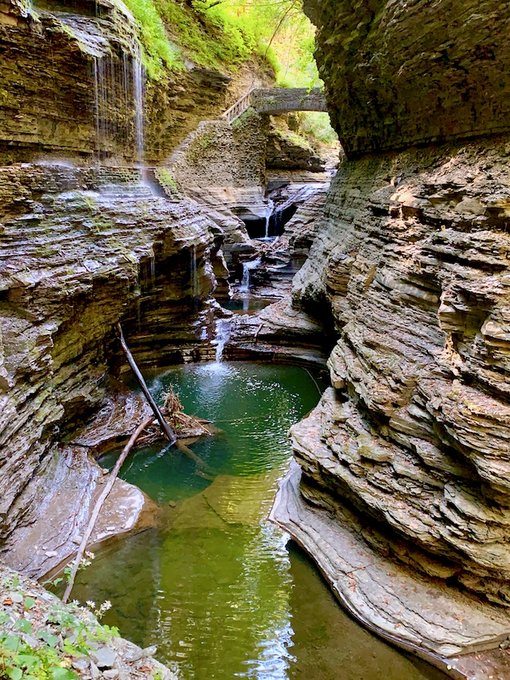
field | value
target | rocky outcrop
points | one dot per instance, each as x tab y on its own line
278	333
222	166
290	151
84	249
411	266
416	276
398	75
68	88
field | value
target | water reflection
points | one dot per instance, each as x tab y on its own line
215	587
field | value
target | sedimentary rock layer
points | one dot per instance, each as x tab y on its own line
422	71
83	249
413	262
411	266
68	88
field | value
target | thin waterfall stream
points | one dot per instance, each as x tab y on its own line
247	269
119	92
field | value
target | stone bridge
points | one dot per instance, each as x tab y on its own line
278	100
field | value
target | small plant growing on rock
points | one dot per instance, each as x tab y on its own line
40	638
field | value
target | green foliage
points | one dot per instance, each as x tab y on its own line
159	51
224	34
278	31
205	38
317	125
166	179
38	641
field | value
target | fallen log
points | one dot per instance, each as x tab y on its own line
99	504
167	430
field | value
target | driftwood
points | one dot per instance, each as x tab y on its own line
99	504
167	430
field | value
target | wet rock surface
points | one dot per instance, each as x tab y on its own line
68	87
84	249
401	605
416	280
411	266
278	333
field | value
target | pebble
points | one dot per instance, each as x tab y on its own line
104	657
141	654
111	674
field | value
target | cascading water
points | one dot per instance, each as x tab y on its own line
119	89
138	95
247	268
223	329
269	212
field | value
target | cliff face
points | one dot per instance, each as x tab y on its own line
411	263
68	87
82	250
416	276
422	72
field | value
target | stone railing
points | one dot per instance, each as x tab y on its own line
277	100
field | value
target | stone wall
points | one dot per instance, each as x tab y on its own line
412	260
409	452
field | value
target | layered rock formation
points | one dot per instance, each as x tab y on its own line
411	265
83	250
68	87
417	73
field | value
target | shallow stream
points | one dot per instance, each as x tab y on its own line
216	587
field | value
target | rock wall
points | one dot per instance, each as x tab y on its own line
411	264
415	272
223	166
427	71
82	250
67	88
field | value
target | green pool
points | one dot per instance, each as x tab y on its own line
216	587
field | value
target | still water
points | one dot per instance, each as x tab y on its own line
216	587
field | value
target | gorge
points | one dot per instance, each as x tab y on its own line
125	196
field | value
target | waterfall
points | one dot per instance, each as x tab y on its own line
119	90
269	212
138	96
223	328
247	267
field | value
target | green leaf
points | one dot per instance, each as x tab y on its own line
29	602
29	661
15	673
12	643
62	674
23	625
